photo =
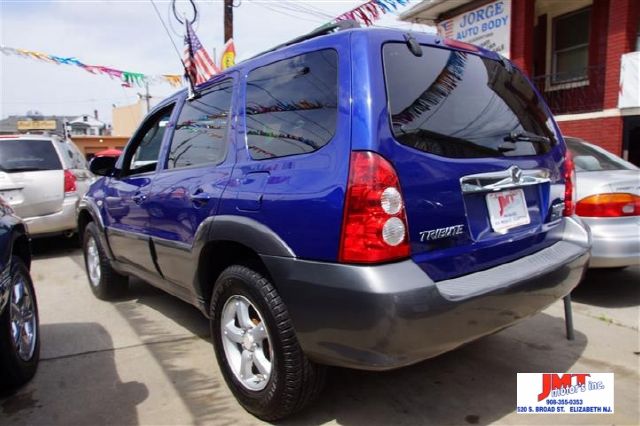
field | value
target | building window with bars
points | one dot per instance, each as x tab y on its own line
570	55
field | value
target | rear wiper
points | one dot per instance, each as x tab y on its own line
521	136
524	136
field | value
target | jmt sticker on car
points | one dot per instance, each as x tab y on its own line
552	393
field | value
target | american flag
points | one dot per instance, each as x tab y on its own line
199	65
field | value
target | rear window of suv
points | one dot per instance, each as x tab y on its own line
26	155
458	104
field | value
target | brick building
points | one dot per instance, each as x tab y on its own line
583	56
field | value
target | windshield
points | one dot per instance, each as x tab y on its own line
588	158
24	155
457	104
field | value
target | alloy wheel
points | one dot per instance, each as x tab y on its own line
246	343
93	261
23	319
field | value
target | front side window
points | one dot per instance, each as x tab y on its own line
457	104
291	105
200	134
143	154
571	46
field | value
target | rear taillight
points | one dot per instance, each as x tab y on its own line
69	182
375	223
569	185
609	205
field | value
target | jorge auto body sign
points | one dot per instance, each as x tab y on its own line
488	26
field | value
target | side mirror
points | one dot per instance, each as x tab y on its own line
102	166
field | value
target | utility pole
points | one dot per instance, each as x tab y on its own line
228	20
147	97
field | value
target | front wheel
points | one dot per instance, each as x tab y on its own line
19	330
106	283
256	346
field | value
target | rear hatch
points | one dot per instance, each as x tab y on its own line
31	176
478	158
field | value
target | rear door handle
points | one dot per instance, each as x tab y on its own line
139	198
200	197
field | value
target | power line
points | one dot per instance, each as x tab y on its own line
305	9
167	31
289	14
128	98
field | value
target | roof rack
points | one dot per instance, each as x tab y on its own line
331	27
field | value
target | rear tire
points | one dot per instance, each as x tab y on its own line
19	330
105	282
292	380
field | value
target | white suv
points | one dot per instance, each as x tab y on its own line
43	177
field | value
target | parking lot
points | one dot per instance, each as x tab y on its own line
147	359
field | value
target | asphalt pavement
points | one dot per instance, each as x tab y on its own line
147	359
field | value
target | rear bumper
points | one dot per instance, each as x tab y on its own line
388	316
58	222
616	241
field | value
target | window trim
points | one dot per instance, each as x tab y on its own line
568	83
227	78
243	111
124	166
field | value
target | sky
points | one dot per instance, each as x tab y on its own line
128	35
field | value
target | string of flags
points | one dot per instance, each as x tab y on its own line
365	14
128	78
371	11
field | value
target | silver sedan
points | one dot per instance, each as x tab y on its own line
608	200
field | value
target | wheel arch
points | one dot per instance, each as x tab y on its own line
84	217
216	256
22	247
222	241
88	213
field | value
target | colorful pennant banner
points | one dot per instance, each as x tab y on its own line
128	78
371	11
365	14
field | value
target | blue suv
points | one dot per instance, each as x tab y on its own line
362	198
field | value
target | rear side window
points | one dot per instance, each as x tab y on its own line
24	155
200	135
74	157
291	105
457	104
